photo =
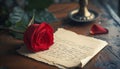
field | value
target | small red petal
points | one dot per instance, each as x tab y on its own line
97	29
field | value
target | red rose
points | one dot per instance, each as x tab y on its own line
38	37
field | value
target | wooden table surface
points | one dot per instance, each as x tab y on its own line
108	58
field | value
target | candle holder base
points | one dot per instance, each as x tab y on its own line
76	18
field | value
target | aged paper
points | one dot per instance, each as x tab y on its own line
69	50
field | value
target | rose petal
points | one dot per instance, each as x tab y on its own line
97	29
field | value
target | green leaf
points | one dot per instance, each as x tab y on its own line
45	16
19	19
16	15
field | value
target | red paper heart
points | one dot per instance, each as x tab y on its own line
97	29
38	37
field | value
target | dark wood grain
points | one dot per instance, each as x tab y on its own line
108	58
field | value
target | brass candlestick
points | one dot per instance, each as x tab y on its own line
83	14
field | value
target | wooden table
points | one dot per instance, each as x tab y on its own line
108	58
